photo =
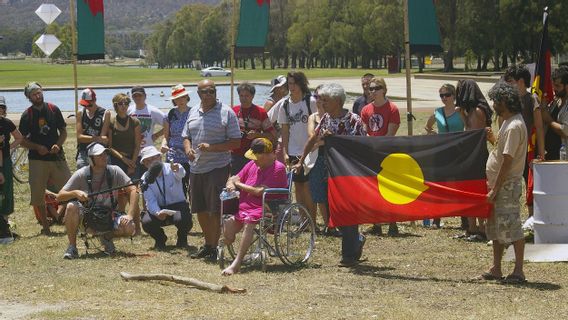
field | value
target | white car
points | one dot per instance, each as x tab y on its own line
214	71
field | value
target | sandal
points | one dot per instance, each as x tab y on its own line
514	279
487	276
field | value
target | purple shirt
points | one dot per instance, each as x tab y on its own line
274	176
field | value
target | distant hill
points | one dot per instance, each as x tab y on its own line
120	15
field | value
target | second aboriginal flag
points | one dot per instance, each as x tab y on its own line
390	179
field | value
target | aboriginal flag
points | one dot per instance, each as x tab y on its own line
90	30
390	179
253	26
542	83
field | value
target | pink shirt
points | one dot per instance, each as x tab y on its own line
377	119
274	176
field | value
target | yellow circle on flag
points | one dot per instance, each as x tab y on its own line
400	180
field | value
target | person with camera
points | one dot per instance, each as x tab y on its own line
162	187
253	122
93	200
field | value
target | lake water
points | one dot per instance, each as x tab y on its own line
155	96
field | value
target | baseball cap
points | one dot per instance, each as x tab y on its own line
95	149
2	101
138	89
86	96
258	145
148	152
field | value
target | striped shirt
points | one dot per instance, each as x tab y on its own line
214	126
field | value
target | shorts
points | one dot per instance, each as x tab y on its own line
56	172
297	176
82	159
318	181
206	188
504	225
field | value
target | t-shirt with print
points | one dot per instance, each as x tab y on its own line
6	128
78	181
377	119
512	140
273	176
253	118
297	119
41	126
148	116
176	120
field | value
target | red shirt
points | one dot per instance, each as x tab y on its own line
254	118
377	119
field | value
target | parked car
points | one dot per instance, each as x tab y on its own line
214	71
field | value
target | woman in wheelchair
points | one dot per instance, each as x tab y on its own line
264	171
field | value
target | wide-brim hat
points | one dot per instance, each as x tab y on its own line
148	152
178	91
258	146
278	82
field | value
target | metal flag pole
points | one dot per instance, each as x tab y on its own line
74	51
233	51
409	115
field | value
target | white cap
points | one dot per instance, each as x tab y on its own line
148	152
96	149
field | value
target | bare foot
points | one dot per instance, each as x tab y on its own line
229	271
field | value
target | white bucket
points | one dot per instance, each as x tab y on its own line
550	202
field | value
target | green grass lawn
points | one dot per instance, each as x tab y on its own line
14	74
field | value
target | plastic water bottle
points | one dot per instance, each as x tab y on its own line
227	195
563	152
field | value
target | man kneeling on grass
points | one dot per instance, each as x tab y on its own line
504	171
263	172
97	177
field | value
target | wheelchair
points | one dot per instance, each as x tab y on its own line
286	230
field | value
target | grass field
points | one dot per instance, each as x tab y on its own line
14	74
422	274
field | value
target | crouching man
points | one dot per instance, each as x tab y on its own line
93	179
165	199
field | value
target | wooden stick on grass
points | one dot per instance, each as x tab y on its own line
182	280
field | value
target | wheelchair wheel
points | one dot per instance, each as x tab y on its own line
20	165
295	237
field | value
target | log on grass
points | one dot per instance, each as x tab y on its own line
182	280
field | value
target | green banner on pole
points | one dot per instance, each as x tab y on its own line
253	26
90	30
423	27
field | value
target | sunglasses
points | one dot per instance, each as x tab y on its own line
122	104
375	88
207	91
445	95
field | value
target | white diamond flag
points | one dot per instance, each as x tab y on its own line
48	12
48	43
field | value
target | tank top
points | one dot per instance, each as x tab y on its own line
123	140
91	126
445	124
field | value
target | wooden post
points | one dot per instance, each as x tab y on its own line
233	51
74	51
409	115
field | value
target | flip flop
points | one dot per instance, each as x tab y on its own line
514	279
488	277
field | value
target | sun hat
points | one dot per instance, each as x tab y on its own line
178	91
86	96
258	146
277	82
148	152
138	89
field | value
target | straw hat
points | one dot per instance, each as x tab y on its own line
178	91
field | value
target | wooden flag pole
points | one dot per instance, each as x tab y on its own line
233	51
74	51
409	115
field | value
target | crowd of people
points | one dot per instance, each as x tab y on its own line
210	146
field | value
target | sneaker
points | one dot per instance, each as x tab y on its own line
71	253
203	252
108	244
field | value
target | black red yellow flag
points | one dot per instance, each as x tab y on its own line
542	83
391	179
